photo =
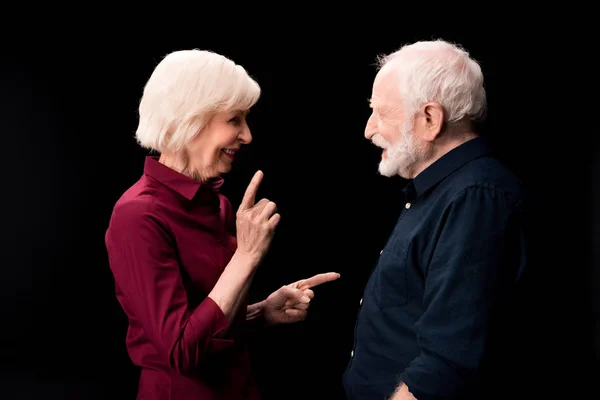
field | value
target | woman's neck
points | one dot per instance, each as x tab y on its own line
181	164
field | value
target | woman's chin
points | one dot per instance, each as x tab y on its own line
224	168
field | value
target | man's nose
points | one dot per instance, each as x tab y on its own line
371	128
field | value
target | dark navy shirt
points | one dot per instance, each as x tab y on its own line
436	309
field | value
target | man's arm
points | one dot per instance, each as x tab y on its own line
477	256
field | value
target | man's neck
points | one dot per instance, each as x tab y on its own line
442	146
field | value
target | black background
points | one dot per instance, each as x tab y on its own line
68	112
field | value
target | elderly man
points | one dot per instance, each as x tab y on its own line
433	318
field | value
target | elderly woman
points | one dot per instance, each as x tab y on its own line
182	261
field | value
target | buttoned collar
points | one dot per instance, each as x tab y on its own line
177	181
446	165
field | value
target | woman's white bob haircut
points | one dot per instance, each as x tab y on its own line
185	90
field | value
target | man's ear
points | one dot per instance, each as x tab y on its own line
432	121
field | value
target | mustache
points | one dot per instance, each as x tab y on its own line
378	141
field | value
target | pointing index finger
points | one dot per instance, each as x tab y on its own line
250	195
318	279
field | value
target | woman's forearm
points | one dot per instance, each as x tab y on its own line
231	289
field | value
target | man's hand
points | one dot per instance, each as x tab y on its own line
402	393
290	303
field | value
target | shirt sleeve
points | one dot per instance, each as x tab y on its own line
479	252
144	264
227	215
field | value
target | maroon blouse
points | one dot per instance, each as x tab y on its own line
168	241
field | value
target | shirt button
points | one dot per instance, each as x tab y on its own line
407	206
360	302
381	252
352	353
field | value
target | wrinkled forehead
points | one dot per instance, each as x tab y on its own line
385	88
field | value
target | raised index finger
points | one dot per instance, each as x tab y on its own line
250	195
318	279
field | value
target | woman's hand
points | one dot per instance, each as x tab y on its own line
256	223
290	303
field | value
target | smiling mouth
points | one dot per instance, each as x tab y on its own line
229	153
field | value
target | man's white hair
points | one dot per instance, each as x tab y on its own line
186	88
440	72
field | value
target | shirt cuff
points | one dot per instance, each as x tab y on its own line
209	316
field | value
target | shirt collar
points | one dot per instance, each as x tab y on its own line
447	164
176	181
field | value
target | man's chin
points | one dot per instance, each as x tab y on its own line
387	169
